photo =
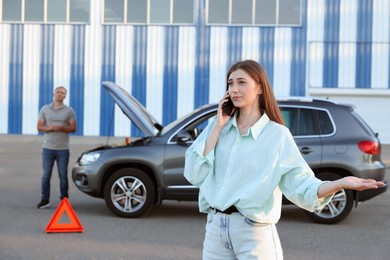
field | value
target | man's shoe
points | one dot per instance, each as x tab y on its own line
43	204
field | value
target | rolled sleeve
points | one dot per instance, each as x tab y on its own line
322	202
298	182
301	187
197	166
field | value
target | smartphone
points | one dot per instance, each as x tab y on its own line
228	107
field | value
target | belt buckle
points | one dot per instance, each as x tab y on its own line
214	210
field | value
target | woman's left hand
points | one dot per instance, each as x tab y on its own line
350	182
360	184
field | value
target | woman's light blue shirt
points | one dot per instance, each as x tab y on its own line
251	171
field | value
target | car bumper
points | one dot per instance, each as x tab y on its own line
85	179
368	194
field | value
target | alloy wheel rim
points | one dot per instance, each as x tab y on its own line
335	207
128	194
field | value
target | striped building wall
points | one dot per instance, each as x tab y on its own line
341	51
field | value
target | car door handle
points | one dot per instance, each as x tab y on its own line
306	150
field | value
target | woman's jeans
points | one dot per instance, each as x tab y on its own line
234	236
61	157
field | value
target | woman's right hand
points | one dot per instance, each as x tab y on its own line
221	120
222	117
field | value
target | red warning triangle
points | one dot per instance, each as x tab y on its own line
73	226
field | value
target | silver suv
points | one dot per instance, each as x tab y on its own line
133	177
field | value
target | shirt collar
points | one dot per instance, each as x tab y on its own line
52	106
254	130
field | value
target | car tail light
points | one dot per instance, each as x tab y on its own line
370	147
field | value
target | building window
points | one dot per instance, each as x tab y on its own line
33	11
11	10
183	11
45	11
254	12
242	12
218	12
56	11
137	11
79	11
265	12
289	12
160	11
166	12
113	11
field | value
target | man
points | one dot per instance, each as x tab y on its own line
56	120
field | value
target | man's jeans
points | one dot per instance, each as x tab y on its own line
61	157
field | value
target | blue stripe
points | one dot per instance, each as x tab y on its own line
77	75
364	42
15	102
108	74
202	57
331	46
298	57
46	66
234	48
267	46
139	69
170	87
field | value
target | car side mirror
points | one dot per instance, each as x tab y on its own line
183	137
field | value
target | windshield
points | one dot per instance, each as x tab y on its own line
175	123
178	121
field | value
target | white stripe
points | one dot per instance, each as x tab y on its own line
186	70
123	74
92	70
282	62
315	37
4	82
31	60
155	71
62	56
347	49
380	47
315	20
347	65
218	61
380	23
348	20
315	65
250	43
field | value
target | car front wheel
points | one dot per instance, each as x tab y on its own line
338	208
129	193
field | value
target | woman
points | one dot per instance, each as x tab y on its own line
243	162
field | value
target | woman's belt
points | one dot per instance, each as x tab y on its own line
230	210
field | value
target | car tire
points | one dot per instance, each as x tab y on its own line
338	208
129	193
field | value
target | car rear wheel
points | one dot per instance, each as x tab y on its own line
338	208
129	193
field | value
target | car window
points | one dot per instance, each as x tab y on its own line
307	122
300	121
290	116
193	130
325	123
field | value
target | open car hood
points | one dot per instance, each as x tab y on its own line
133	109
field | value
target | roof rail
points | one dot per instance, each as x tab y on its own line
304	99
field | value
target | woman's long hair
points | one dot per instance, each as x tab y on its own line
267	99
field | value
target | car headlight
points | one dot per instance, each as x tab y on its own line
89	158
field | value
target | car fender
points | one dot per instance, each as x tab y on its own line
115	160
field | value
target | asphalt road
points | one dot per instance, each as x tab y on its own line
173	230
